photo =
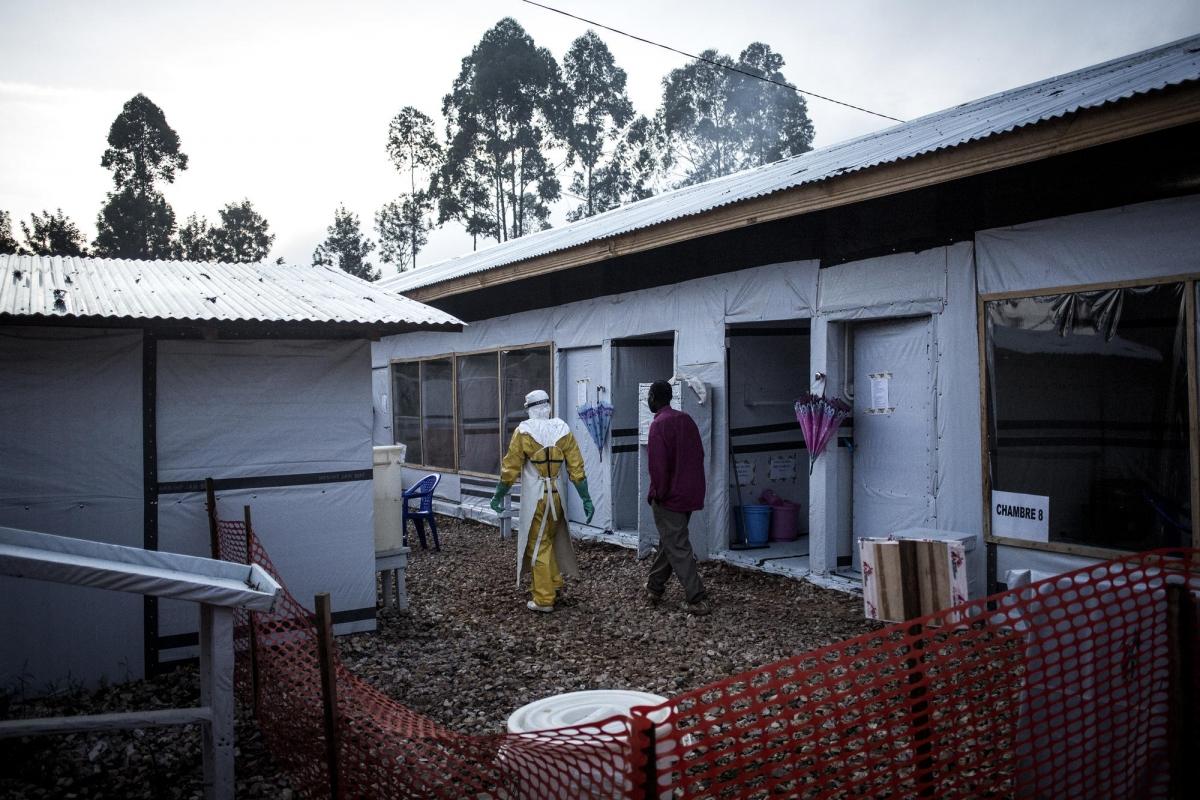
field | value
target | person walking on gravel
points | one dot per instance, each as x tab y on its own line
677	487
540	446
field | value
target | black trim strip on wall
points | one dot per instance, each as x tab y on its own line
803	330
1089	425
1090	441
643	342
624	448
616	432
352	615
149	493
768	447
754	430
268	481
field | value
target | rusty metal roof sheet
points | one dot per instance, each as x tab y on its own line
54	288
1140	73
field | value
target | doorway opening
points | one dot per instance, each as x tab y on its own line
635	360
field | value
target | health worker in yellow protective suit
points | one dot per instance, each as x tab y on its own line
541	446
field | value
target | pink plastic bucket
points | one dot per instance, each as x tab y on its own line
783	521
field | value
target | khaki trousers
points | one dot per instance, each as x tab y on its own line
674	555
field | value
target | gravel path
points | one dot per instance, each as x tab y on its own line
466	653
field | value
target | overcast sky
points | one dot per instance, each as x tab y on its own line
287	103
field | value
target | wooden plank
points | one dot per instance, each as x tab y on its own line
328	663
253	644
1135	116
1018	294
214	542
940	576
216	692
910	580
1193	376
1100	553
127	720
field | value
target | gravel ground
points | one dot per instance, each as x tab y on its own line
466	653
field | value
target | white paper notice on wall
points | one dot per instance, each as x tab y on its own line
1021	516
581	392
782	468
881	385
745	472
383	403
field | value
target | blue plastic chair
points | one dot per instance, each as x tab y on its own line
422	491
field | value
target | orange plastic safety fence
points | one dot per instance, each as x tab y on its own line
1077	686
1065	688
386	750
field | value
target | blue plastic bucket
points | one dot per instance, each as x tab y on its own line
756	521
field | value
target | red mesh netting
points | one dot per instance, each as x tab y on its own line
1078	686
385	749
1059	689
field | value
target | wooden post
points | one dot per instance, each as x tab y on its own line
650	776
210	492
328	687
216	694
1182	732
919	708
250	616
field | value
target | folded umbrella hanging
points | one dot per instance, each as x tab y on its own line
597	418
819	417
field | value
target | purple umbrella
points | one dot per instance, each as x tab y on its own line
819	418
597	419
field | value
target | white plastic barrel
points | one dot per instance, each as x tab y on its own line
576	710
388	466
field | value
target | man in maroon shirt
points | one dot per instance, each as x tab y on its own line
676	490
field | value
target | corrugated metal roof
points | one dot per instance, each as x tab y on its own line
1147	71
40	287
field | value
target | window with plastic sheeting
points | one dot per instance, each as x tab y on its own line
406	409
478	377
1088	411
437	412
521	372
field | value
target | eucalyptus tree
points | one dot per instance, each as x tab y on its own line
8	243
403	225
504	115
720	117
143	150
243	235
600	108
345	246
54	234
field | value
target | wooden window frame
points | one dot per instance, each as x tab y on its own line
455	412
1190	282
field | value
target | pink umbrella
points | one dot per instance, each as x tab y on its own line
819	418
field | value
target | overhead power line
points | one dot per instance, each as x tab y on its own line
710	61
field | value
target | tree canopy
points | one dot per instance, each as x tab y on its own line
243	235
54	234
8	243
345	247
719	122
136	221
504	115
403	225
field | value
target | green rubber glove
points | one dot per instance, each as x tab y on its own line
588	508
498	498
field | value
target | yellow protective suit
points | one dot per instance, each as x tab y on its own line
536	455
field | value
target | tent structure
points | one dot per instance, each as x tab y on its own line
884	271
124	384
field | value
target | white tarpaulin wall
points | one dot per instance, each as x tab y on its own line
696	310
70	464
937	285
271	410
284	426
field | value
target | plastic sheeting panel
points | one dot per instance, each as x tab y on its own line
72	466
583	364
896	285
478	377
258	411
893	428
1147	240
635	361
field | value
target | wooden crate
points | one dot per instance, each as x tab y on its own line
907	578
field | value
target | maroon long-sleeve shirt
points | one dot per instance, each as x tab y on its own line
676	462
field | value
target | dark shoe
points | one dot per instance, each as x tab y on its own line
701	608
653	598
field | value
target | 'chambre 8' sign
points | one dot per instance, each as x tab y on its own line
1021	516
